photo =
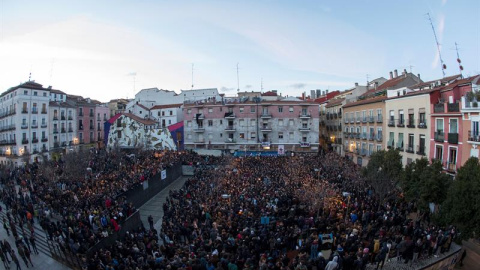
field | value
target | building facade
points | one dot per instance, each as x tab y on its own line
364	127
333	125
63	129
252	124
471	120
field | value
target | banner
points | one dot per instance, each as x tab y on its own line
281	149
164	174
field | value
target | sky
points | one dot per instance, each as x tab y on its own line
113	49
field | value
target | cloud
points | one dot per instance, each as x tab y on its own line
298	85
444	2
226	89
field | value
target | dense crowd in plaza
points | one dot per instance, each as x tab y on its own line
291	212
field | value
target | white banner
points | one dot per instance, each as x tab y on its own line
281	149
164	174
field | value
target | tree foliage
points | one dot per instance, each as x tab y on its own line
462	206
383	172
425	183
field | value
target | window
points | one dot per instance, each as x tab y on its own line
410	143
252	109
370	149
241	109
421	119
280	109
171	112
221	122
280	135
280	122
439	126
25	92
253	122
379	147
452	157
453	125
189	136
291	136
290	122
400	141
253	135
210	123
241	135
391	140
401	119
379	133
290	109
241	123
439	152
391	120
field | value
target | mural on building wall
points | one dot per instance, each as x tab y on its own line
133	135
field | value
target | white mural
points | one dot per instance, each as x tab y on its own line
129	133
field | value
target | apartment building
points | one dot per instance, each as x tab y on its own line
23	117
471	119
363	129
252	124
333	125
91	115
63	129
407	125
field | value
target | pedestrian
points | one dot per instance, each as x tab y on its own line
464	254
27	255
21	252
15	260
32	242
150	221
5	226
4	260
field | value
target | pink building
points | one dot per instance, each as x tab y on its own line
448	129
252	123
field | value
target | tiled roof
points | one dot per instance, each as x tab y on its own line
334	102
269	94
60	104
140	120
158	107
386	85
442	80
365	101
57	92
142	106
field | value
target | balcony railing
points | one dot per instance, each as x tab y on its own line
7	127
81	127
371	119
421	150
409	148
305	115
55	118
364	136
400	146
91	115
35	140
473	137
199	129
304	128
34	111
422	123
364	119
379	137
24	141
44	112
390	144
7	113
63	130
43	125
24	110
230	140
453	107
70	117
92	127
371	136
265	115
401	123
80	114
56	144
451	166
7	142
55	131
44	140
70	130
453	138
62	117
34	125
391	123
411	123
266	128
439	136
439	108
24	126
379	118
230	128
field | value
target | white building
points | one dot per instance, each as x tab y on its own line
63	128
23	122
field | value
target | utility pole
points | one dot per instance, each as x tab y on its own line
238	81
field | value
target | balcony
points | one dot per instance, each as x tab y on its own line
364	136
451	166
391	123
379	138
453	107
199	129
8	127
92	127
358	119
24	126
371	137
422	123
24	110
35	140
453	138
390	144
56	144
34	111
24	141
358	135
439	108
439	136
230	115
44	149
44	140
7	113
409	148
81	127
230	140
71	130
8	142
304	128
400	146
421	150
265	128
70	117
43	125
55	118
304	116
63	130
379	119
55	130
91	115
473	137
80	114
371	119
44	112
199	116
411	123
401	123
364	119
266	116
62	118
34	125
230	128
352	120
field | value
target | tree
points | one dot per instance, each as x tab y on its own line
425	183
462	206
383	172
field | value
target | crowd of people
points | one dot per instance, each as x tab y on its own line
286	212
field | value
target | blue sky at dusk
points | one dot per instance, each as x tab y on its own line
94	48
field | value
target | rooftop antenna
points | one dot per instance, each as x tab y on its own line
192	75
238	80
261	85
438	46
458	60
30	76
368	79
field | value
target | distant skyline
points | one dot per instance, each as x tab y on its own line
113	49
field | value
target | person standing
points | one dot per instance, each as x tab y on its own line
4	259
33	243
150	221
15	259
5	226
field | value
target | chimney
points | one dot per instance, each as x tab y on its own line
356	84
326	92
395	73
391	75
376	85
418	75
